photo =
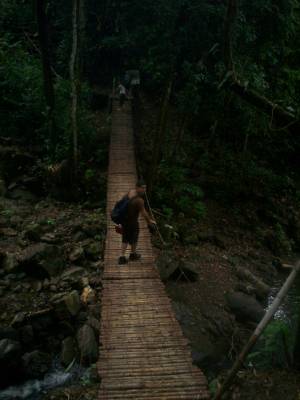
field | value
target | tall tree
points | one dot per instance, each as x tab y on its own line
74	85
43	32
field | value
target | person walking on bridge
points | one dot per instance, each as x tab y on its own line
130	225
122	95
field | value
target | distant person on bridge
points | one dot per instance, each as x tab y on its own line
130	225
122	94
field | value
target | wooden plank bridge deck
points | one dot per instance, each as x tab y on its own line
143	353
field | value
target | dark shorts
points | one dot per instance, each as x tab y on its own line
130	234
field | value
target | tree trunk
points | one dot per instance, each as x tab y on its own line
43	32
74	87
179	136
159	136
278	115
228	28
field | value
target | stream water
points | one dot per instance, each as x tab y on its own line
33	389
276	345
289	309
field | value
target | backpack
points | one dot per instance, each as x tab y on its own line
119	211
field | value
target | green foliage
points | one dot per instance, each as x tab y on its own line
176	195
274	347
238	177
21	88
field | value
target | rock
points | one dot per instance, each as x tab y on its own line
36	364
66	304
166	264
172	269
69	351
87	345
85	281
37	286
15	221
261	289
18	320
245	288
17	289
72	301
82	317
9	349
46	283
10	263
245	307
77	255
92	251
49	238
8	232
94	323
92	229
98	265
33	232
186	271
26	285
95	310
73	273
79	236
7	332
20	276
95	281
42	260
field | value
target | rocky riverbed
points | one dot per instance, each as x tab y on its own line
50	285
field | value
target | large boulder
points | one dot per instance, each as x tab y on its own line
261	289
36	364
87	345
167	265
73	277
171	268
77	255
66	305
9	349
42	260
69	351
245	308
